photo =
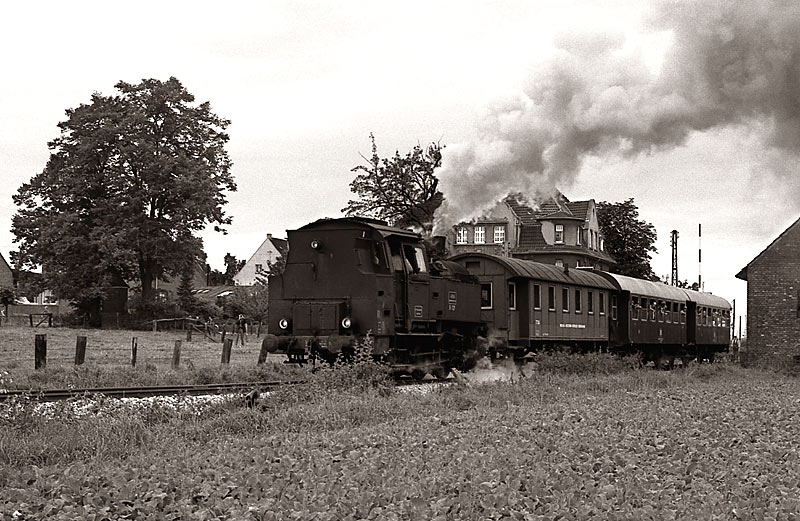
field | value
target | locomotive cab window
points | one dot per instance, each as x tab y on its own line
486	295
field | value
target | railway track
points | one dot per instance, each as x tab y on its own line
54	395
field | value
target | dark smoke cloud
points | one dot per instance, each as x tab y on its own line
729	63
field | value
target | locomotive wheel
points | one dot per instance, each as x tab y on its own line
417	374
440	372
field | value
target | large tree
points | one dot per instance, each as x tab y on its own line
130	180
402	190
628	239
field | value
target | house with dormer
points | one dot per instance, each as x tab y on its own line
556	231
257	266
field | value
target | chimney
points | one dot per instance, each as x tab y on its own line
269	236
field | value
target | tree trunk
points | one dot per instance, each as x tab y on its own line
146	276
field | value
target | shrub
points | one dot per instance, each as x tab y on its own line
585	364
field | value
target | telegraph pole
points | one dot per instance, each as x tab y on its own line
674	243
699	257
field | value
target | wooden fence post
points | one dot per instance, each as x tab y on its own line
176	355
80	350
259	330
262	355
226	351
189	334
223	334
40	353
155	326
134	348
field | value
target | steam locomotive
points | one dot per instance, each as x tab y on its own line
346	278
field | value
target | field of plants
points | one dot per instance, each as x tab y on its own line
578	438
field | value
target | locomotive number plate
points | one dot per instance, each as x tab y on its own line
452	299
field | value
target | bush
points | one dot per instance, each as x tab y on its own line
585	364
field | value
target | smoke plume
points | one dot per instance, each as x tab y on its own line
730	62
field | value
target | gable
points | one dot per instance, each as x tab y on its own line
6	274
790	234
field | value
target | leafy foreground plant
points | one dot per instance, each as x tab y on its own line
636	445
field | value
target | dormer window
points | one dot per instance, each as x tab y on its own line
559	234
461	235
499	234
579	237
480	235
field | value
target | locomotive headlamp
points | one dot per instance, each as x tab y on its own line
346	322
315	244
283	323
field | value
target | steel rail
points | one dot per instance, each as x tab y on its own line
52	395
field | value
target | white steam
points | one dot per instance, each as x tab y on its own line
730	62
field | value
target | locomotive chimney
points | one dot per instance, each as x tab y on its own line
438	247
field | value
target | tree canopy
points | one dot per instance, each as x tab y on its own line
628	239
130	180
401	190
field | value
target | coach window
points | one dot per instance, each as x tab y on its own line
683	313
667	310
675	315
660	311
551	298
486	295
613	307
589	303
565	300
634	308
602	297
652	310
537	297
643	307
512	295
577	301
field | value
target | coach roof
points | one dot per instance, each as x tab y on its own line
644	287
538	271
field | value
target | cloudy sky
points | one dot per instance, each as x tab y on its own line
691	108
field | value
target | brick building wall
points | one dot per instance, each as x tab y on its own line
773	302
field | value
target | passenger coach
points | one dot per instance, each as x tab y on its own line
666	322
529	305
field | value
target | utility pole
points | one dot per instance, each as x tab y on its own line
699	257
674	243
